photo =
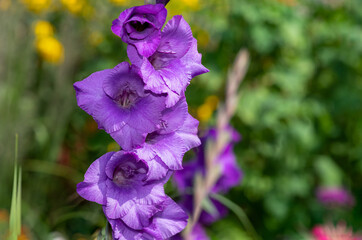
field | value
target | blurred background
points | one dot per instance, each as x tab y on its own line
300	111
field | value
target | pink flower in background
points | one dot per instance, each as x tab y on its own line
335	196
331	232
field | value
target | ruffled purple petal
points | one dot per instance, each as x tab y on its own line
158	169
170	149
192	61
174	118
135	58
176	37
176	79
152	78
148	46
109	115
156	13
120	200
117	24
93	188
90	91
168	222
120	77
188	133
176	135
128	137
146	114
139	216
122	232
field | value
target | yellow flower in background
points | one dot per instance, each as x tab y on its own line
212	101
74	6
204	112
43	29
5	4
37	6
203	38
184	7
193	4
50	49
120	2
95	38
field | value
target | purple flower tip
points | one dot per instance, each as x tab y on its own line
141	27
173	64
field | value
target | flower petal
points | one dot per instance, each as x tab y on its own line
158	169
173	118
192	61
89	91
93	188
168	222
140	216
176	37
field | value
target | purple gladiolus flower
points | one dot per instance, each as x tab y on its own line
164	149
163	225
117	101
117	181
335	196
175	62
141	27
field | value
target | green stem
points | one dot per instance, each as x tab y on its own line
239	212
150	1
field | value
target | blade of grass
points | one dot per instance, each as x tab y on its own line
13	215
15	209
239	212
18	205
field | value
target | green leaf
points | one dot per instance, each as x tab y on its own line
239	212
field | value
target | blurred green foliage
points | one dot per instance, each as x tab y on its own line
299	113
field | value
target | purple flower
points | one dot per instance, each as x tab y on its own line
117	181
175	62
335	196
141	27
164	149
163	225
116	99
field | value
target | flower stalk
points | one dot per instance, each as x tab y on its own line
150	1
203	185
